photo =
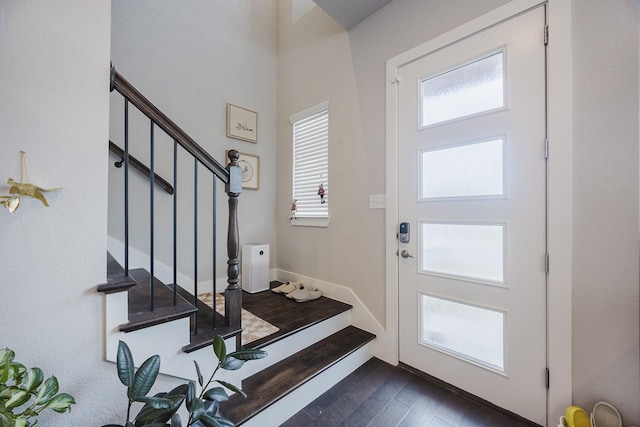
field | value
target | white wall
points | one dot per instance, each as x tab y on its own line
606	360
321	62
54	72
191	58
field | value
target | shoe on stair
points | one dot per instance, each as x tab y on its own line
303	287
286	287
305	295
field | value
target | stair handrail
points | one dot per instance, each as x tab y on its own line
126	89
231	176
140	167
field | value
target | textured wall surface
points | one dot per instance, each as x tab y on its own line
190	59
54	74
606	359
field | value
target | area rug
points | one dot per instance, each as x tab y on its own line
253	327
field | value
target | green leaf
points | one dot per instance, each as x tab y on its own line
210	421
124	364
231	363
21	422
159	409
200	380
6	357
50	388
219	348
197	409
176	421
33	379
249	354
14	372
18	398
145	377
211	408
61	402
191	396
233	388
160	402
182	389
7	392
216	394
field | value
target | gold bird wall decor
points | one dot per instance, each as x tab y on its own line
23	188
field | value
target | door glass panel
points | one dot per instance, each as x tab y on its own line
471	170
474	251
470	89
467	331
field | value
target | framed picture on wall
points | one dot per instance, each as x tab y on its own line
242	123
250	167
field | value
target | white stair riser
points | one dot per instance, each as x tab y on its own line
289	405
296	342
167	340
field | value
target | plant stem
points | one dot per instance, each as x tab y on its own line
204	389
129	411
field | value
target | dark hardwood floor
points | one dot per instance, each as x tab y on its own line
376	394
288	315
380	395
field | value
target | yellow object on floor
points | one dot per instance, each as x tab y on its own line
577	417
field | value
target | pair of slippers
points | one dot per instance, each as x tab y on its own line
298	292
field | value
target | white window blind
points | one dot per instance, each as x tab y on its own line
311	162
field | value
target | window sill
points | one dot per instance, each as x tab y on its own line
311	222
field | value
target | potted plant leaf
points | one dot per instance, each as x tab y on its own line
24	393
160	409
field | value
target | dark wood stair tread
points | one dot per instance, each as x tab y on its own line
164	311
288	315
206	332
140	316
117	280
271	384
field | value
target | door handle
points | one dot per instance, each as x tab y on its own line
405	254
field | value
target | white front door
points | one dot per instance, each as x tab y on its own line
472	188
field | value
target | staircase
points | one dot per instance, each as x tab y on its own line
315	347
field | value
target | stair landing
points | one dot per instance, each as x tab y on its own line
288	315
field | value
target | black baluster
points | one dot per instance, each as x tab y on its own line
126	187
151	218
195	241
175	222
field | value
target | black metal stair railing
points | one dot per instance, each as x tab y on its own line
230	176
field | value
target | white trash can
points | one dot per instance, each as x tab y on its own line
255	267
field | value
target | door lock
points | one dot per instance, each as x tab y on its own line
404	235
405	254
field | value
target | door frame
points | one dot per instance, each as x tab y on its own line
559	208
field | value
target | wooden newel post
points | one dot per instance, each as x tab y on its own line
233	294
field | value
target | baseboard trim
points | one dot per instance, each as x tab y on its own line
385	347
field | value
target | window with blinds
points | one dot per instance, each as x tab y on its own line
311	165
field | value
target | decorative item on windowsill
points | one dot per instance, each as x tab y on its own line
23	188
294	208
321	193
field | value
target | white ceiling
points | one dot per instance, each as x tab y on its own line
348	13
